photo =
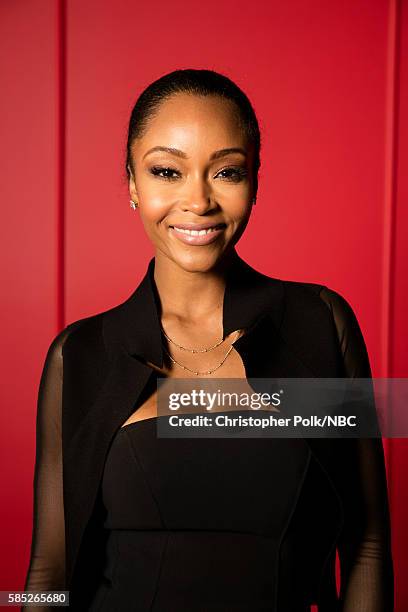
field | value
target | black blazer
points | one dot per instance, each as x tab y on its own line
95	373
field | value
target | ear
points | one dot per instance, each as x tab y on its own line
132	185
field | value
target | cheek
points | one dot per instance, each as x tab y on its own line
240	210
155	207
243	215
234	198
150	225
156	193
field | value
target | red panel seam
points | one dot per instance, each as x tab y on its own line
61	158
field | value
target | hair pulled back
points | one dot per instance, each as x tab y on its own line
199	82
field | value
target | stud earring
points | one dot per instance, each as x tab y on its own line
133	204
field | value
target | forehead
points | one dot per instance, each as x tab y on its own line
191	120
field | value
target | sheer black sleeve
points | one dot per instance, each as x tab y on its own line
367	575
46	569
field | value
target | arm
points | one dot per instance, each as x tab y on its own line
367	576
46	569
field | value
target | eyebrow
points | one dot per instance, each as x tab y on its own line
215	155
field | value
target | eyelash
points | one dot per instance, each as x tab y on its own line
240	173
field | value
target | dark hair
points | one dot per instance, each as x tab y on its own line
196	82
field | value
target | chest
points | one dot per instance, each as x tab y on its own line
232	367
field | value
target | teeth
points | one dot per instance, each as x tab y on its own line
195	232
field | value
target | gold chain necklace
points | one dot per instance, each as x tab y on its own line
210	348
194	371
198	351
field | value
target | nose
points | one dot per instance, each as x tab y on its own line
198	197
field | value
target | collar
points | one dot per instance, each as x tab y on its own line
134	325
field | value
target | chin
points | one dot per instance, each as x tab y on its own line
198	262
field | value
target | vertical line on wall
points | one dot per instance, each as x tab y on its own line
61	136
390	186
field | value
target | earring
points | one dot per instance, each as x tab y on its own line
133	204
253	200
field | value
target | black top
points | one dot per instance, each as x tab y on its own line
223	524
209	524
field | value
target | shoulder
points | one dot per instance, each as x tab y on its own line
73	333
307	299
325	294
316	293
328	301
78	352
323	302
82	336
349	335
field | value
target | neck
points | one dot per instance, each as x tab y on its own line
191	294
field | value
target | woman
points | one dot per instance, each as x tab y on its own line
126	520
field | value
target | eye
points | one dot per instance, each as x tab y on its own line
164	172
233	174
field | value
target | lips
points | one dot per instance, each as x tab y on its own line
197	234
197	226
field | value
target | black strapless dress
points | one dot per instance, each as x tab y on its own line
211	524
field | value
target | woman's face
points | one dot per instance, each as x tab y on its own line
197	183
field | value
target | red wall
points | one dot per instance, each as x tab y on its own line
328	81
31	265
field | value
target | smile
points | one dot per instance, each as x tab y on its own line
196	232
197	237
